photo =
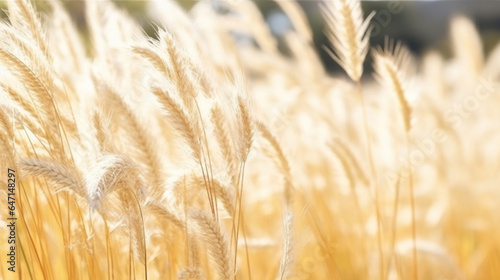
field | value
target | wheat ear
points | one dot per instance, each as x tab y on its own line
25	47
25	121
282	161
6	134
16	96
162	211
185	82
224	140
135	222
222	192
68	34
191	273
29	78
182	122
154	58
348	34
29	115
195	184
142	140
186	70
246	129
42	94
24	18
108	174
391	66
210	232
6	124
59	174
100	130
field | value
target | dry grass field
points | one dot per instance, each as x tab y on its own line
209	153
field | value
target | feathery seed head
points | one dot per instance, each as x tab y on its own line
348	34
392	66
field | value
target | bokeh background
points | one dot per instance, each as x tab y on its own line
420	24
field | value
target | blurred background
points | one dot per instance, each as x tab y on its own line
420	24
